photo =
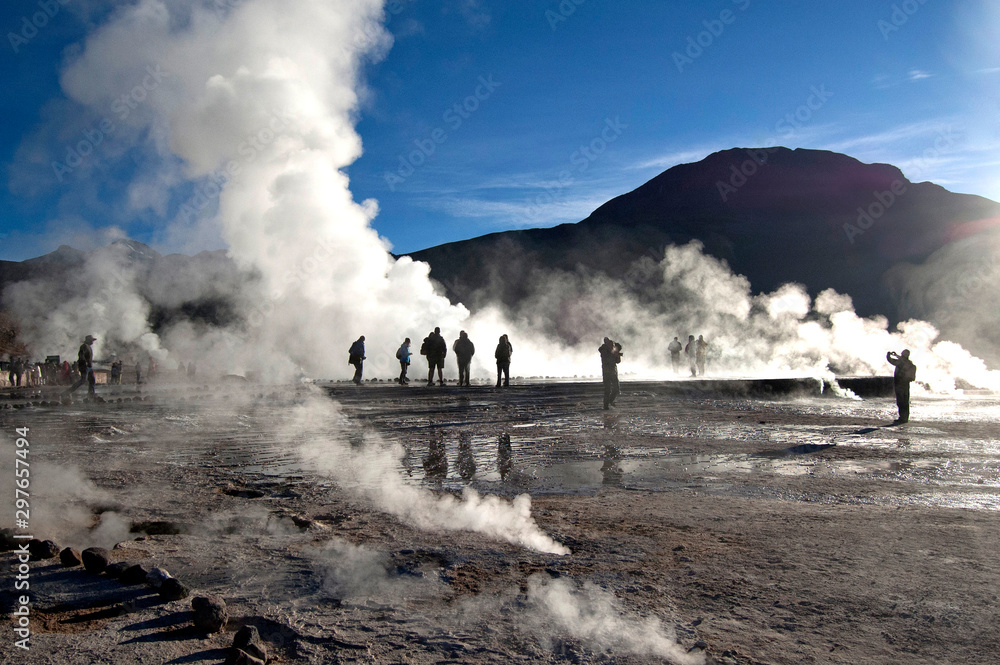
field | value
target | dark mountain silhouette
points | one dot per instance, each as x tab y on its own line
819	218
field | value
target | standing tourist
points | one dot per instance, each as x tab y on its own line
906	373
356	357
464	350
503	354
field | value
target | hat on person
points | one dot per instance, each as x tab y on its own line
89	338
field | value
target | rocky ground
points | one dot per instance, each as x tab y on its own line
702	527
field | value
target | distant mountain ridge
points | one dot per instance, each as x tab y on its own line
818	218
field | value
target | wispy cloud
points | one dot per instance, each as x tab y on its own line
918	74
908	132
532	209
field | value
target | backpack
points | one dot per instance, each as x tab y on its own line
399	353
910	372
423	347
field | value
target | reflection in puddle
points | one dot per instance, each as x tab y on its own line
576	451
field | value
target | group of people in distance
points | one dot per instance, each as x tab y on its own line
695	350
435	349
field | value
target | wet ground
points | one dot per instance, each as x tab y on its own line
797	528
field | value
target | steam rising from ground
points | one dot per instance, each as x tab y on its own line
595	617
368	472
256	108
63	503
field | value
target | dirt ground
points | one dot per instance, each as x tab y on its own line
701	527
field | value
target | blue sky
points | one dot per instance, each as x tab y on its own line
488	115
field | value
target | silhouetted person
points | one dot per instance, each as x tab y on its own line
905	373
403	355
356	357
701	350
16	371
192	370
116	373
691	351
85	363
675	349
436	350
151	370
502	355
464	350
610	357
138	373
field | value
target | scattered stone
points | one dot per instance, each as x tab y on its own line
96	560
117	569
156	577
173	589
42	549
210	613
247	639
135	574
700	644
70	558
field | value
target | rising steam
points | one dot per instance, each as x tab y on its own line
370	474
251	123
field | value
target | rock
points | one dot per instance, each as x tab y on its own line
42	549
158	528
95	560
173	589
210	613
117	569
248	639
156	577
240	657
135	574
69	557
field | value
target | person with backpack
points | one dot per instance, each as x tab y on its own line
356	357
464	350
502	354
906	373
403	355
85	363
